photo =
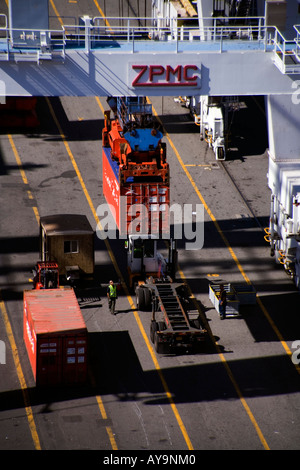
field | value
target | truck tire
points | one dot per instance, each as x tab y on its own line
140	298
153	329
148	300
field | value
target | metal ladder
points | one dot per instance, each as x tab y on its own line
171	306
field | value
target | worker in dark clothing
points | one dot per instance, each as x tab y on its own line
222	302
112	297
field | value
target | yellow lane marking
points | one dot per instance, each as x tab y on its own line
102	14
220	354
89	200
3	310
264	310
111	438
199	164
2	305
242	399
260	303
20	374
148	344
160	373
56	12
277	332
24	177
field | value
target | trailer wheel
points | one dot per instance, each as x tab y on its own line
153	329
140	298
148	299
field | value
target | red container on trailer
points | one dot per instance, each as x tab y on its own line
55	336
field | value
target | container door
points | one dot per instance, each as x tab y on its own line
74	359
49	361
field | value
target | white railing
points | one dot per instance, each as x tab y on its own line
287	52
31	42
215	34
101	31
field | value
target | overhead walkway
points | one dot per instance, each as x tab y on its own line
114	45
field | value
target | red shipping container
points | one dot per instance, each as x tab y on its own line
153	195
55	336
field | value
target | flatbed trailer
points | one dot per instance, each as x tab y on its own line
171	326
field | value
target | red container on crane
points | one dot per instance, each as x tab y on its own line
55	336
136	181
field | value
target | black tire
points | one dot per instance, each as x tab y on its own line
140	298
220	153
153	329
148	300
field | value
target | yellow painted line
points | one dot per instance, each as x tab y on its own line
204	203
260	303
243	401
36	213
102	14
20	374
221	355
274	327
161	376
277	332
16	154
108	428
111	438
198	164
101	407
56	12
89	200
24	177
3	309
129	298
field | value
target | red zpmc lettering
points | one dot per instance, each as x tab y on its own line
143	69
170	70
155	70
185	72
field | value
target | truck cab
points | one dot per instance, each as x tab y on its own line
143	258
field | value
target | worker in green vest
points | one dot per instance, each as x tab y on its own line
112	297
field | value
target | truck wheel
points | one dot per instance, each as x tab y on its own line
140	298
148	300
153	329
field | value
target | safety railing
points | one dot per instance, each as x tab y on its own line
31	44
151	34
106	31
287	52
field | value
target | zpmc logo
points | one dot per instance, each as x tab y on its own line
2	353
